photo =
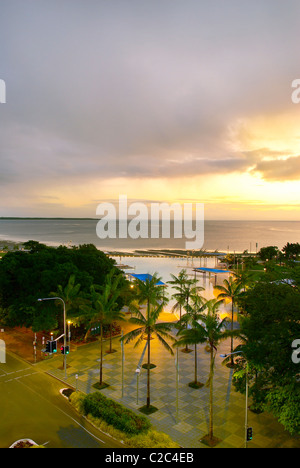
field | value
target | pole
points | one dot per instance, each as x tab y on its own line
247	388
177	381
122	348
65	326
65	337
246	409
138	370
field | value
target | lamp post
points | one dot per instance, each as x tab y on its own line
123	360
177	381
65	324
137	371
247	386
69	333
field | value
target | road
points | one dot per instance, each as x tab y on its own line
32	407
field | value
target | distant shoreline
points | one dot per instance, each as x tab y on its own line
6	218
58	218
158	253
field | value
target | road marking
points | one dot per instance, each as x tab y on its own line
66	414
18	377
14	372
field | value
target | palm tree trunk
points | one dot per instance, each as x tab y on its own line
187	305
148	372
211	431
101	353
232	306
110	338
195	363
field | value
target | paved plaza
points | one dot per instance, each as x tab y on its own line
183	412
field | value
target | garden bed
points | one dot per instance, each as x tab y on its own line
24	443
109	416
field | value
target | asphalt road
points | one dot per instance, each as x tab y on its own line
32	407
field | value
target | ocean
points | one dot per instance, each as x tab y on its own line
224	236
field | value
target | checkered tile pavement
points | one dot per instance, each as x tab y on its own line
183	412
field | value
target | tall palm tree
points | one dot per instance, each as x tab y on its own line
178	282
230	290
72	298
148	325
150	292
190	319
102	305
114	313
212	331
243	278
188	291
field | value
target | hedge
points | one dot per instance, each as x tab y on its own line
115	414
150	438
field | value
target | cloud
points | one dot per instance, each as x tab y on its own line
279	169
140	90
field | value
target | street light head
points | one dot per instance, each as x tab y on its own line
223	355
40	300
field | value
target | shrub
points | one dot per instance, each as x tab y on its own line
150	438
115	414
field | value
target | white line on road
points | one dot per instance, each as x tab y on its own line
70	417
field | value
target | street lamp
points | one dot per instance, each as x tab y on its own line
65	331
246	409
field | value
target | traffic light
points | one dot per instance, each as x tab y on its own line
48	347
249	434
65	349
51	347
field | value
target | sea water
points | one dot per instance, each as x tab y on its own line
224	236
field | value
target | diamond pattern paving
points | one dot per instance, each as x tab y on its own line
183	411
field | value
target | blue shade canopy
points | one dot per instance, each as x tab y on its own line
211	270
145	277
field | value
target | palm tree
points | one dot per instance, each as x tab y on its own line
103	303
243	278
178	283
72	298
188	291
190	319
212	331
114	313
150	292
231	290
148	325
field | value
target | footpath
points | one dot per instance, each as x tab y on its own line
183	412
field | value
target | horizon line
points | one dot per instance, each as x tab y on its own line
118	219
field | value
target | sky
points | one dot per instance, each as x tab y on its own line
159	100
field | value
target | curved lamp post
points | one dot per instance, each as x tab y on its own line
65	324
